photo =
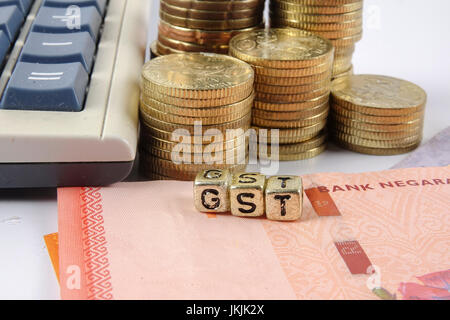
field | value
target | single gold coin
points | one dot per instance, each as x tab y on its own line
347	108
165	50
176	119
197	76
289	107
290	115
345	42
295	148
315	9
146	97
168	174
292	81
291	135
152	142
205	112
192	47
197	36
170	127
204	138
216	5
208	154
397	143
299	72
169	168
358	124
374	135
153	50
290	98
371	92
338	34
302	155
377	151
346	73
281	48
278	89
290	124
209	14
322	2
230	24
313	27
317	18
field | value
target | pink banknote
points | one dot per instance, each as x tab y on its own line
145	240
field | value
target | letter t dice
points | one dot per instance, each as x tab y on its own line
211	191
284	198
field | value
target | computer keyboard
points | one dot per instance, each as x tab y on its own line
69	91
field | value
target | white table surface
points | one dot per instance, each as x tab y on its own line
402	38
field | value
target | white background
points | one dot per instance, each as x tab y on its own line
408	39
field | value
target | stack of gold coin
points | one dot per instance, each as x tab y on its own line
337	20
292	86
204	26
190	104
377	115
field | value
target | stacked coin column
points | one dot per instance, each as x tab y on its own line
377	115
337	20
204	26
189	102
292	86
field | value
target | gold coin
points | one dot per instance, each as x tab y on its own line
299	72
313	27
358	124
370	92
374	135
176	119
278	89
209	154
346	73
295	148
315	9
146	97
290	124
148	171
290	115
281	48
205	138
397	143
198	36
153	50
290	98
209	14
293	135
292	81
197	76
168	168
322	2
317	18
345	42
170	127
205	112
215	5
303	155
149	141
380	112
165	50
378	151
192	47
337	34
288	107
343	112
230	24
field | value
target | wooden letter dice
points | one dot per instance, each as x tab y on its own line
284	198
247	194
211	191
